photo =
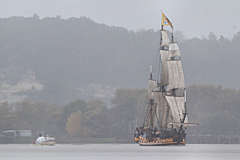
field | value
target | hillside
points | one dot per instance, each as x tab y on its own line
67	55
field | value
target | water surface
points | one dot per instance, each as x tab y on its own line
119	152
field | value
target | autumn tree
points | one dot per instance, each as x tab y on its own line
76	125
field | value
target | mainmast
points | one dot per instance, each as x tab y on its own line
173	102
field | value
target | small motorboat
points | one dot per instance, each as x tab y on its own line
45	140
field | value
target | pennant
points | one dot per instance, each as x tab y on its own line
166	21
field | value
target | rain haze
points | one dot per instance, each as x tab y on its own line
115	76
194	18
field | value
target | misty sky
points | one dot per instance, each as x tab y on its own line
194	18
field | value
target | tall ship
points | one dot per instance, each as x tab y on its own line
166	117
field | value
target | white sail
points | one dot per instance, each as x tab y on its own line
177	107
171	101
165	40
175	69
162	109
164	66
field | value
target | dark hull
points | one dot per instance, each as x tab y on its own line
164	139
162	144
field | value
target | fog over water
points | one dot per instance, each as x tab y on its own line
194	18
119	152
78	70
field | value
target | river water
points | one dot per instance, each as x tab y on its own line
120	152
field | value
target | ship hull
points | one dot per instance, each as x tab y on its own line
161	141
161	144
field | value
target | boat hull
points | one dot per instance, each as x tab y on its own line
52	143
49	141
160	142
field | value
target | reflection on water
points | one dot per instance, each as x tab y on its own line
119	152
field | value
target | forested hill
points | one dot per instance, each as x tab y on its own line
67	54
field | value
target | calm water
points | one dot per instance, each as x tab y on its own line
119	152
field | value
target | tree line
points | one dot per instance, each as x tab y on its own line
214	107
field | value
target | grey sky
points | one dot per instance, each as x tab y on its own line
193	17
